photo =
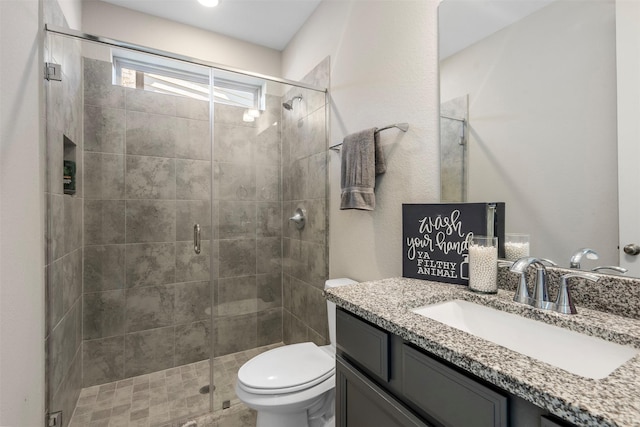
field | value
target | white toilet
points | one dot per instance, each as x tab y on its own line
294	385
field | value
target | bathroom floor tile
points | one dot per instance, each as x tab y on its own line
170	397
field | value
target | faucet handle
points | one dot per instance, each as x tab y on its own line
564	303
615	268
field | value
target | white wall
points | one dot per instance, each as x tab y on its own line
72	11
542	116
628	69
21	216
383	71
104	19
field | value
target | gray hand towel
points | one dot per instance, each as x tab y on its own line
362	160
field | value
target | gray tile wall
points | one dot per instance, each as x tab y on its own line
248	228
305	257
147	297
63	251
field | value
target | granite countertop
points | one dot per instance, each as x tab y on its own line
612	401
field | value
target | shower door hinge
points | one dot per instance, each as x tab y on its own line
52	71
54	419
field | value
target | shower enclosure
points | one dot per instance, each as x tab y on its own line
171	259
454	157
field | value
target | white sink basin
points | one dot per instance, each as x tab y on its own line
577	353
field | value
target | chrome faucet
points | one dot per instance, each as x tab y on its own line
577	257
540	298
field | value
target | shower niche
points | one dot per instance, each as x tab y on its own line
68	166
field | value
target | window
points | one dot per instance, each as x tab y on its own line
178	78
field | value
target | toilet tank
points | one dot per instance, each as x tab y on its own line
331	307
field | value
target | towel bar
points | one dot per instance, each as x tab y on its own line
402	126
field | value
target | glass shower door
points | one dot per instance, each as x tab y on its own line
64	243
129	291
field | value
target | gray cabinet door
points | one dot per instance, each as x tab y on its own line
360	403
365	344
452	399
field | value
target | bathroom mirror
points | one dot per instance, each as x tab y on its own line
528	117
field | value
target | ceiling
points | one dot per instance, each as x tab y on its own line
270	23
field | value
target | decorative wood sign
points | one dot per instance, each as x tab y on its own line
435	238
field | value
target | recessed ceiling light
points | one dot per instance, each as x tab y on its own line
209	3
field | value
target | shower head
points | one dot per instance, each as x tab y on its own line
289	104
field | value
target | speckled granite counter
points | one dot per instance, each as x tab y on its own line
613	401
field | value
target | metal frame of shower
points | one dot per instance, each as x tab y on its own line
211	65
175	56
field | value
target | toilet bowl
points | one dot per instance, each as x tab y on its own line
293	385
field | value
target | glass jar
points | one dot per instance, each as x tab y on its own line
516	246
483	264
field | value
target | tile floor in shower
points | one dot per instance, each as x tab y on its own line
169	398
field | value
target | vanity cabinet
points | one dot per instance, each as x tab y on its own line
381	380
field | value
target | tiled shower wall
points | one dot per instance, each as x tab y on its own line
306	261
63	341
146	293
248	243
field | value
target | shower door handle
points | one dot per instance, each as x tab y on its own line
196	238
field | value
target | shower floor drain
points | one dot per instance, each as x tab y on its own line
207	389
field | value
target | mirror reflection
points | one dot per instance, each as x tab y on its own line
528	106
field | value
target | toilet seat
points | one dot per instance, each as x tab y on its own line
286	369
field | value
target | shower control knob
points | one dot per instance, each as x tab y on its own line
299	218
632	249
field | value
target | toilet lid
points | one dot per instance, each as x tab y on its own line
286	369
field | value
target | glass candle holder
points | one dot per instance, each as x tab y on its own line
483	264
516	246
